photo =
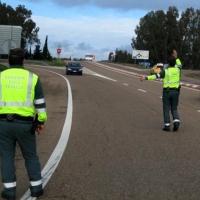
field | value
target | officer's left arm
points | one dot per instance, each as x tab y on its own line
39	129
40	104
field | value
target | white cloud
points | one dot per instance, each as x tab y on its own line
125	4
86	35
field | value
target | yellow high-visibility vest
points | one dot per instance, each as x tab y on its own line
17	93
172	78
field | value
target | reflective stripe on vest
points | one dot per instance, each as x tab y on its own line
28	97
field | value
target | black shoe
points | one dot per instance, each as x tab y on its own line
37	194
166	128
4	196
176	126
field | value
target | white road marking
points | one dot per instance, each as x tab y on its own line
56	156
142	90
87	71
104	77
126	84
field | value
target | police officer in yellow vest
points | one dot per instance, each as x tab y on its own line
21	99
171	90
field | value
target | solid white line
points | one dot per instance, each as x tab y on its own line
142	90
56	156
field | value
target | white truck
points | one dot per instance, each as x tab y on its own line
10	37
90	57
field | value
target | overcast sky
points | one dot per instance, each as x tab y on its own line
96	27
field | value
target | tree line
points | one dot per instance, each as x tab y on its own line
160	33
20	16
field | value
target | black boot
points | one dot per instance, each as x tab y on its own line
37	194
5	196
176	126
166	128
36	191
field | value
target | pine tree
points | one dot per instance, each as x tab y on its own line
30	53
46	53
37	55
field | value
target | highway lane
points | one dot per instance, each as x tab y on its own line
117	149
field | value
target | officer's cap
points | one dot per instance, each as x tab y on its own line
16	53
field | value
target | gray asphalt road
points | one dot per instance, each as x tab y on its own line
116	148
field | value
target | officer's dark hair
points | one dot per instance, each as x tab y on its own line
172	61
16	56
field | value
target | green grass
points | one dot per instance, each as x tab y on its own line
193	75
133	65
58	63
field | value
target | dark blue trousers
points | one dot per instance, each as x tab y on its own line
170	103
10	133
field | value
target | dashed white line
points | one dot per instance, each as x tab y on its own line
104	77
142	90
87	71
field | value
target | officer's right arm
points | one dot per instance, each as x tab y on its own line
156	76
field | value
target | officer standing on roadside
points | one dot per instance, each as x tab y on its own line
171	90
21	99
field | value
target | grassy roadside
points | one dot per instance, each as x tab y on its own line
193	75
58	63
133	65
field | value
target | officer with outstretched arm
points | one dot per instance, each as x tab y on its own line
171	91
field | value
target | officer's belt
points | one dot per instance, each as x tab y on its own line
11	117
170	88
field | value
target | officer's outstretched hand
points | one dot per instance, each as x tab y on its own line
142	78
39	129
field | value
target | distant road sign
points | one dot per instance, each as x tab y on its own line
140	54
58	50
